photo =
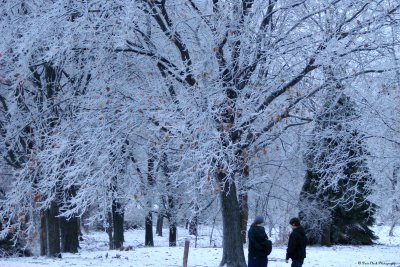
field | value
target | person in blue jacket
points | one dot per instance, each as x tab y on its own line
259	245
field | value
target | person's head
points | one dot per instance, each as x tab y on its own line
294	222
259	220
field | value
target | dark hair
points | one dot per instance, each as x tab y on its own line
294	222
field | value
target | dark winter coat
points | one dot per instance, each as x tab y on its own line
259	245
297	244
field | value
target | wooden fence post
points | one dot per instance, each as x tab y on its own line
186	252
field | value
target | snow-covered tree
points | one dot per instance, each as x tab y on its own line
334	199
212	82
255	61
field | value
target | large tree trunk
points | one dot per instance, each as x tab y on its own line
69	228
118	225
109	230
69	234
233	254
52	231
160	222
193	225
43	234
244	215
326	236
172	233
243	196
395	202
172	221
194	221
148	240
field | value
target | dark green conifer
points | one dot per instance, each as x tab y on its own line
334	203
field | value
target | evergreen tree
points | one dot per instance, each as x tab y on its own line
334	200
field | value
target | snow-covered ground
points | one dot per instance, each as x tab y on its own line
95	253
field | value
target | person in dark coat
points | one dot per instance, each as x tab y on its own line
296	249
259	245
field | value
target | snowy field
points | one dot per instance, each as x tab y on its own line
95	253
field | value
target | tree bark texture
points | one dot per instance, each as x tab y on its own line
233	254
193	226
52	231
69	228
118	225
244	215
172	233
171	219
109	231
149	218
69	234
148	238
43	234
326	236
160	222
